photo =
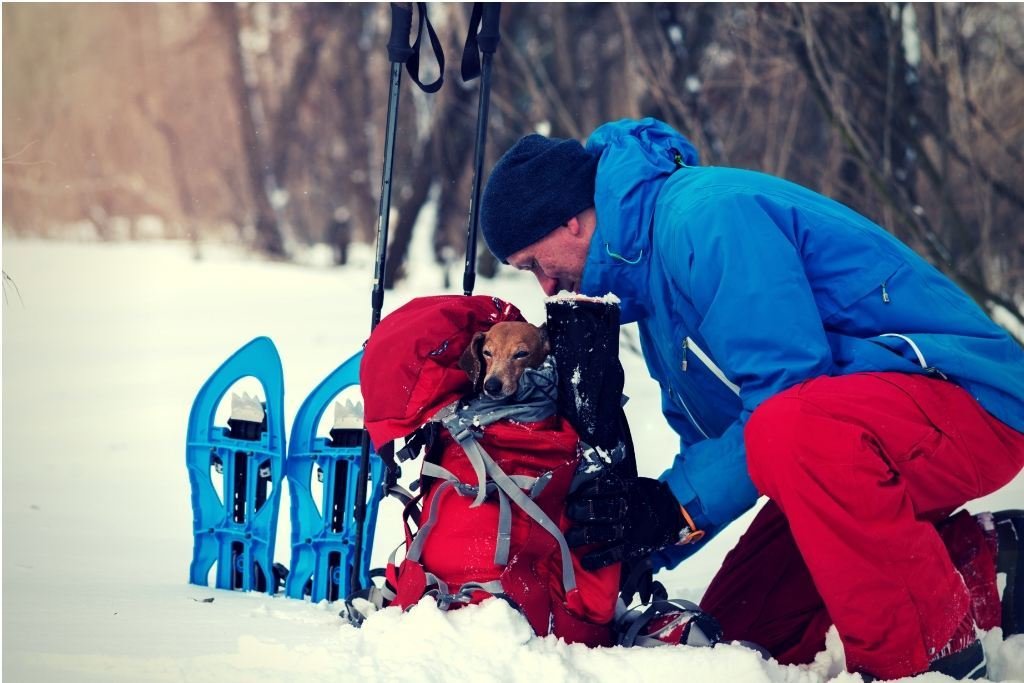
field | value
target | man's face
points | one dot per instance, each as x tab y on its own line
557	259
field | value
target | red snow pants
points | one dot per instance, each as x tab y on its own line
860	469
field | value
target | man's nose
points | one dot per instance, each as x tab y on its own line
548	284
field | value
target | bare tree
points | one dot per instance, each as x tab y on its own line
251	120
215	118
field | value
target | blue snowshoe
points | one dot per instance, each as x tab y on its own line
236	528
322	482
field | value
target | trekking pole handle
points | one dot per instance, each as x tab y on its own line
399	47
489	36
483	107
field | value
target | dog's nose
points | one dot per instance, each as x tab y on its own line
493	387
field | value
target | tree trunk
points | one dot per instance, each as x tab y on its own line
268	231
358	120
286	124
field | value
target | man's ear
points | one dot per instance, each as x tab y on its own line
583	224
574	226
472	361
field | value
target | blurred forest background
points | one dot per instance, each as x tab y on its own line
264	124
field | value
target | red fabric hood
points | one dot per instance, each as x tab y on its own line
410	368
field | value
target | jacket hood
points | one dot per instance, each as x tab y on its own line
636	157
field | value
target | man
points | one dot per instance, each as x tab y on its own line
805	354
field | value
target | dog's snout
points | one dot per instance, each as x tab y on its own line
493	387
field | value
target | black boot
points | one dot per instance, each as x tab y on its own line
963	656
1010	561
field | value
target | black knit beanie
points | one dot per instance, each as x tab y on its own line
536	186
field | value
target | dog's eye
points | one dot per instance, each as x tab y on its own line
487	354
521	354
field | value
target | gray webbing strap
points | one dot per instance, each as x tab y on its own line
492	587
416	549
437	588
539	484
534	484
480	469
503	542
535	399
526	505
429	469
401	494
463	595
466	436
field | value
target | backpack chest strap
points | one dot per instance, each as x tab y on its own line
526	504
504	537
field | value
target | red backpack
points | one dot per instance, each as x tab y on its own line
490	509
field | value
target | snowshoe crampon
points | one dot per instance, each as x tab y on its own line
235	471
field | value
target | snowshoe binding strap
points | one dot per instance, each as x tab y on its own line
668	622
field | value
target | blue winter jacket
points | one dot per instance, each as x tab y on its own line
744	284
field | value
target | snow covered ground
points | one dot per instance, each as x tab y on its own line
104	348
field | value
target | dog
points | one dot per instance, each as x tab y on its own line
496	359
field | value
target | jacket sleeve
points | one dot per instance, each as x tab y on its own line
729	257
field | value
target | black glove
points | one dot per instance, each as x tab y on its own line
631	518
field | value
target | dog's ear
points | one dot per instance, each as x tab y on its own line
545	342
472	361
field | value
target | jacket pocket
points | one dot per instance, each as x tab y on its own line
847	288
709	397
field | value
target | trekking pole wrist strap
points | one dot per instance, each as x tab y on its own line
689	533
401	52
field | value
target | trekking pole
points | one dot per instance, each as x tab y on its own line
399	52
486	14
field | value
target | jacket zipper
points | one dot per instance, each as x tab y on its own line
679	399
689	344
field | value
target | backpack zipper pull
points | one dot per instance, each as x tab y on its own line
686	344
885	295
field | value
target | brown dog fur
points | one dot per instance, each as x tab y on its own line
495	360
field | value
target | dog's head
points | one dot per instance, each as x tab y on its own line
495	359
